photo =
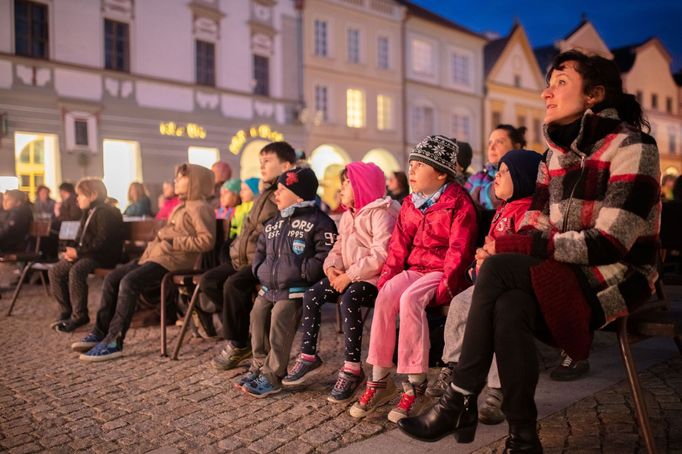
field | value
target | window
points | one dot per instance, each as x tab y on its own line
261	75
654	101
205	63
203	156
81	132
669	105
517	81
423	121
355	108
460	69
537	130
353	44
322	102
672	140
496	119
30	29
321	42
382	52
422	57
384	112
461	127
122	164
520	121
116	46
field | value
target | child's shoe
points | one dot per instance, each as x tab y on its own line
569	369
231	357
411	402
300	371
104	351
376	394
346	385
86	343
261	387
437	388
246	378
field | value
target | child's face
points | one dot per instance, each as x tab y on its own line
499	144
84	201
271	167
284	197
181	184
347	194
228	198
504	186
246	193
424	178
168	190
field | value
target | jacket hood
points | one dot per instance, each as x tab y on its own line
368	182
200	182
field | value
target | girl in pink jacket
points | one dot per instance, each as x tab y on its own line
352	269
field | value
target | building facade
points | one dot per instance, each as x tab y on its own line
443	80
126	90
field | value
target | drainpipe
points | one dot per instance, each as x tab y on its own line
403	82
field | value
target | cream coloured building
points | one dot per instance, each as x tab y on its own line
646	73
513	85
352	86
443	80
125	90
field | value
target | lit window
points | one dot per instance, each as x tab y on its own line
384	112
382	52
122	166
422	57
460	69
203	156
353	45
321	102
321	38
355	108
461	127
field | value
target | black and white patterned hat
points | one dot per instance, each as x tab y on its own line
439	152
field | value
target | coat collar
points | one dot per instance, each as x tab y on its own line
594	128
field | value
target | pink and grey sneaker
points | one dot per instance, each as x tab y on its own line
411	402
376	394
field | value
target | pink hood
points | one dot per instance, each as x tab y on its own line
368	182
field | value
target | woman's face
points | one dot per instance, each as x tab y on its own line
564	99
499	144
393	184
84	201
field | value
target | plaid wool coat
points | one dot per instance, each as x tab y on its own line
596	217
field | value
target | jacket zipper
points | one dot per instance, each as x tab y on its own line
570	198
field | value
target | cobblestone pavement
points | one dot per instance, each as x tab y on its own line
50	401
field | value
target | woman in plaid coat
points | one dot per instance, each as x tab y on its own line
586	256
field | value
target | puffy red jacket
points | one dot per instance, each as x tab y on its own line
443	238
508	217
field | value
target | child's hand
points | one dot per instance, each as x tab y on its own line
332	273
481	254
341	282
489	247
70	254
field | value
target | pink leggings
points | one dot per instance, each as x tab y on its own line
407	294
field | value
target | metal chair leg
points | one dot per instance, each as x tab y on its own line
20	284
162	306
635	388
186	322
44	282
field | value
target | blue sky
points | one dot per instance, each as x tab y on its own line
619	23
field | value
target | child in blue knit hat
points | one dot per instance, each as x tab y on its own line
248	193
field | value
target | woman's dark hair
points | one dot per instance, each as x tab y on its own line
401	178
67	187
516	135
677	190
599	71
343	175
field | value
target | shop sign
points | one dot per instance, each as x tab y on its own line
191	130
255	132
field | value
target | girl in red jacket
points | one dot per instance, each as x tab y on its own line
431	246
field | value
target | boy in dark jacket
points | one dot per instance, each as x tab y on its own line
288	260
98	245
15	224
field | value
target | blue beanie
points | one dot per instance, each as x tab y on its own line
252	183
523	169
233	185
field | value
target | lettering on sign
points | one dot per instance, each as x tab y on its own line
191	130
255	132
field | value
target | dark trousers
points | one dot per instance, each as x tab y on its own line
69	285
233	289
120	291
504	319
355	296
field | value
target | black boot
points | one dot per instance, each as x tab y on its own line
523	439
453	413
